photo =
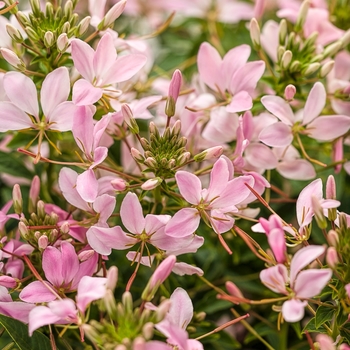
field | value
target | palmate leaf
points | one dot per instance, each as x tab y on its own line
18	331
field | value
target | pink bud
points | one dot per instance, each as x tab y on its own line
337	154
85	255
332	257
233	290
136	154
65	227
333	238
34	190
151	184
119	184
43	242
17	199
112	15
12	59
210	153
289	92
8	282
331	188
175	85
112	278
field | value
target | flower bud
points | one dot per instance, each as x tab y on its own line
312	68
17	199
332	257
22	227
295	66
163	309
83	26
332	49
35	5
345	39
85	255
319	216
289	92
304	8
129	118
148	330
280	51
151	184
68	9
326	68
40	209
8	282
210	153
65	27
176	128
49	39
255	33
34	192
119	184
14	33
32	35
112	15
282	33
136	154
185	157
151	162
37	234
234	290
333	238
127	302
62	42
331	191
144	143
286	59
112	278
13	59
43	242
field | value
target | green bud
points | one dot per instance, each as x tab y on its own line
17	199
14	33
332	49
255	33
83	26
286	59
49	39
22	19
280	51
282	33
49	11
170	106
32	34
312	68
326	68
345	39
35	5
68	9
73	19
304	8
65	27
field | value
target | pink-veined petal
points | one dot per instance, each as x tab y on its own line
83	128
13	118
131	214
184	223
260	156
55	90
100	154
83	56
181	309
70	265
275	278
314	103
220	222
124	68
41	316
100	128
155	222
293	310
240	102
104	57
90	289
209	65
183	269
87	186
328	127
311	282
52	263
61	118
280	108
219	177
189	185
104	205
84	93
297	169
277	242
276	135
36	292
22	92
302	258
17	310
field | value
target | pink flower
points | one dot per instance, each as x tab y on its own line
303	284
63	271
222	196
232	73
101	68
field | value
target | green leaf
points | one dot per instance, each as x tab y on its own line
11	164
18	331
324	314
311	327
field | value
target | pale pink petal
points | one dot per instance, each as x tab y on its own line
155	222
304	206
124	68
280	108
175	335
275	278
104	57
41	316
83	128
36	292
326	342
297	169
189	186
260	156
70	265
67	183
100	154
235	192
102	239
232	61
22	92
90	289
61	118
84	93
247	77
302	258
276	135
240	102
184	223
87	186
221	222
183	269
145	260
131	214
209	65
100	128
311	282
16	310
55	90
83	55
314	103
328	127
65	309
104	205
219	178
18	121
181	309
277	242
293	310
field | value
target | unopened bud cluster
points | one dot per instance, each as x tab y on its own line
133	325
163	153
